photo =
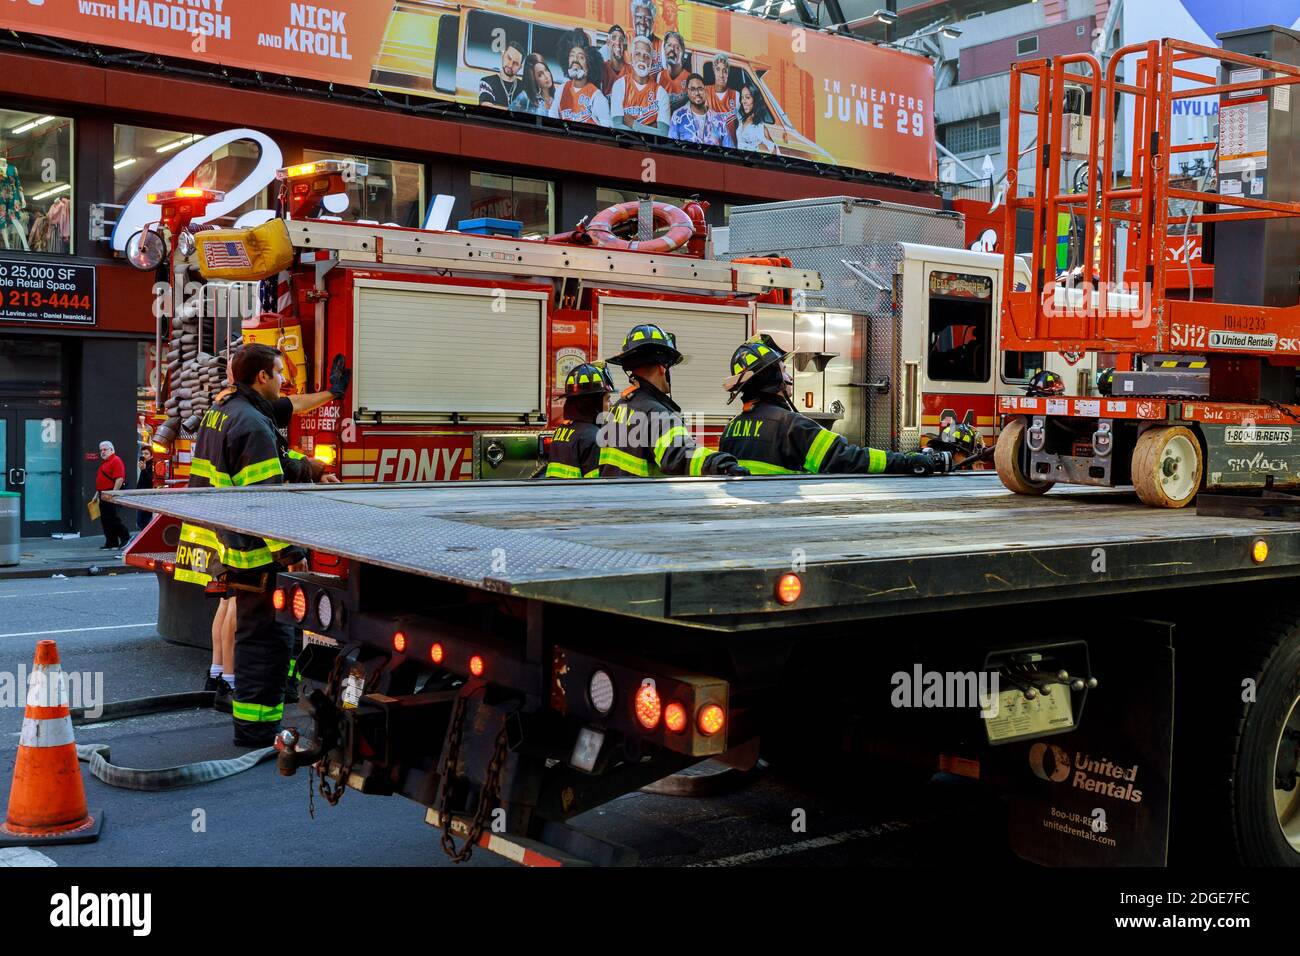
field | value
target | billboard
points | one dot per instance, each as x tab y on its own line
662	69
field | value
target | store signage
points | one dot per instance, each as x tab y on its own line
812	95
176	172
46	291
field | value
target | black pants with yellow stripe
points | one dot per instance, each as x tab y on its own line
262	651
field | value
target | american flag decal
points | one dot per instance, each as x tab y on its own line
226	255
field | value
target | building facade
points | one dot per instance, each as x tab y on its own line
83	134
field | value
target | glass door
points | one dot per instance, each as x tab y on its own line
31	456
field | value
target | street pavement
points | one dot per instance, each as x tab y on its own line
105	626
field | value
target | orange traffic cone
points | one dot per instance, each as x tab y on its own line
47	803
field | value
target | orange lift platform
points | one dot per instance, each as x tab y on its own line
1202	395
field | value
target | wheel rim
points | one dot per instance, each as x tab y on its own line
1286	803
1176	469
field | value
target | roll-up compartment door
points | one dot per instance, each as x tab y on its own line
436	350
706	335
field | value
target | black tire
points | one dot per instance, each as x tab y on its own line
1226	748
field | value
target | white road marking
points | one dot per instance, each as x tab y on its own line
36	594
803	846
78	630
24	856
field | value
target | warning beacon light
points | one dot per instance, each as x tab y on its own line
305	187
146	248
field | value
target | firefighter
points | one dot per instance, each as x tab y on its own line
771	438
574	451
238	445
644	435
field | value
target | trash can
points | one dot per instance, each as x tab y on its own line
10	516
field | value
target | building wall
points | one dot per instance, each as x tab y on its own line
102	407
1054	40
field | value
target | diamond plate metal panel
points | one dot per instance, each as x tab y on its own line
837	221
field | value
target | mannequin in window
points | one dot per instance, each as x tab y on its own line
12	203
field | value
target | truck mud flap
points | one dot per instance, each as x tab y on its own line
1100	795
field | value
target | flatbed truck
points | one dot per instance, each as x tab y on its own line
510	654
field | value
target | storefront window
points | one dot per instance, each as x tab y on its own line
606	196
393	192
529	201
35	182
138	151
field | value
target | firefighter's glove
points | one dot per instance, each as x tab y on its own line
922	463
737	471
340	377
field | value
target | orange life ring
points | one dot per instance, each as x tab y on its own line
681	228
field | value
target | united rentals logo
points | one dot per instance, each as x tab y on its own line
1100	776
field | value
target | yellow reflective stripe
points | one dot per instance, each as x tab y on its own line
621	460
256	713
192	577
246	560
276	545
878	460
295	454
205	469
206	537
817	451
763	468
698	457
557	469
594	473
258	471
666	439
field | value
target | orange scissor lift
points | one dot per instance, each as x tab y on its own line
1204	389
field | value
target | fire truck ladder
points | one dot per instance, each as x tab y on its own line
460	252
1104	305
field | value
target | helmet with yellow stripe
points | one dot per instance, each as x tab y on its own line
589	378
647	345
754	356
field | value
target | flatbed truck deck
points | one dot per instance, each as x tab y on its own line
511	654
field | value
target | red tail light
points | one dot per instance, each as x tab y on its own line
435	653
399	642
648	706
277	599
789	588
675	717
711	719
299	604
476	666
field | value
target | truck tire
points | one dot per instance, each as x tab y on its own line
1234	755
1167	466
1009	459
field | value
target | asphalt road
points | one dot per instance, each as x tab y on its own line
105	626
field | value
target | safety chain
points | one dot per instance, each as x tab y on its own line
333	794
487	796
1278	406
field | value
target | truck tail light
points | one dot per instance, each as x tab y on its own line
325	453
476	666
436	653
647	705
299	604
278	599
711	719
601	691
788	588
399	642
675	717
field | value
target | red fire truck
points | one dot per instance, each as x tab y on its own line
459	343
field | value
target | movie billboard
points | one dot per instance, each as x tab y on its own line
661	69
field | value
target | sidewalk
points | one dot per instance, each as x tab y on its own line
46	557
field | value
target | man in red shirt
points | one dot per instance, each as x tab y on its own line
110	477
676	71
722	100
